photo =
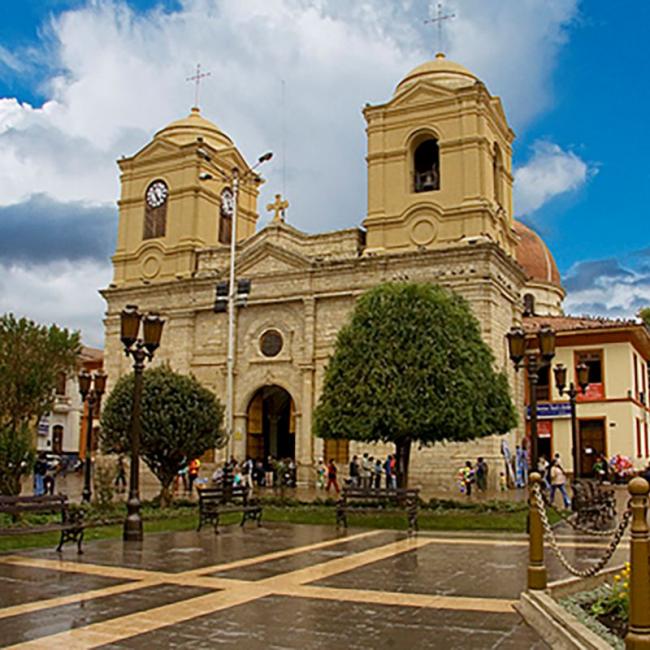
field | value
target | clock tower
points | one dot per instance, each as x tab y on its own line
175	200
439	164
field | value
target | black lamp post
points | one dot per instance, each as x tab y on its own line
91	395
140	349
532	364
582	373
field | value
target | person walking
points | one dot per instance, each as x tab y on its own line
193	472
321	473
354	472
40	469
268	471
332	471
120	475
378	471
247	473
558	483
481	474
468	478
366	472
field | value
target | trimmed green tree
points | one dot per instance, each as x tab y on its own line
31	357
411	366
181	420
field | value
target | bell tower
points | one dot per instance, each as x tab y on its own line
174	201
439	163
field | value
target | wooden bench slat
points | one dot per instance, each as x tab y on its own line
70	526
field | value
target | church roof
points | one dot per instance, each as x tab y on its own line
577	323
441	71
534	256
189	128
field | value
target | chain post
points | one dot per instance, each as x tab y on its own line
638	636
536	567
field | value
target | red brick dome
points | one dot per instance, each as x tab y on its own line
533	255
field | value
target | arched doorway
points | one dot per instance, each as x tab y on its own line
271	428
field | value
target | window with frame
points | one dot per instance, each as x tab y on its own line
593	359
543	388
59	386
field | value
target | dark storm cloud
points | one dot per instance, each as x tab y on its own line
42	230
585	275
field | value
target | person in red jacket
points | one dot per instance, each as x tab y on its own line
331	476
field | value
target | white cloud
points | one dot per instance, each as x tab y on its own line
117	77
551	171
120	77
609	288
62	292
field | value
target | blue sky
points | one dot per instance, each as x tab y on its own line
85	81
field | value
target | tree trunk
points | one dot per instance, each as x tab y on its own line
166	496
402	460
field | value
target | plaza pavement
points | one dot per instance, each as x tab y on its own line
280	586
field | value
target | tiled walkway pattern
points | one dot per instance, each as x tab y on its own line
276	587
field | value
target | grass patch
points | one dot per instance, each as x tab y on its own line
106	523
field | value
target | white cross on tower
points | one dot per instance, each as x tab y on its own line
197	79
438	22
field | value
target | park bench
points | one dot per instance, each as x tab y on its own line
369	500
594	505
71	525
217	500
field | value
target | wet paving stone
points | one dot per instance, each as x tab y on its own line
22	584
282	623
188	550
25	627
446	570
309	558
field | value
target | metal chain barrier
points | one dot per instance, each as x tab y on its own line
550	536
576	526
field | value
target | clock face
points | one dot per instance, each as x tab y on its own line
227	202
157	194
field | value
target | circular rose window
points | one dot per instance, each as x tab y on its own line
271	343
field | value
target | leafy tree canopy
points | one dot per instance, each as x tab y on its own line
412	366
31	357
180	420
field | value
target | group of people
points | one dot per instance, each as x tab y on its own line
365	472
470	475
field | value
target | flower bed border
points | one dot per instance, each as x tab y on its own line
557	625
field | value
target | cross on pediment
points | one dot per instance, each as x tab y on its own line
279	207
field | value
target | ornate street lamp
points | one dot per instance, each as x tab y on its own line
92	397
521	358
234	179
140	349
582	374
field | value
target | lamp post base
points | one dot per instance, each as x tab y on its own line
133	521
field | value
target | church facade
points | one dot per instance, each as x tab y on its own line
439	210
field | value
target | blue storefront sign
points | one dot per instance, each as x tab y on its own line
549	410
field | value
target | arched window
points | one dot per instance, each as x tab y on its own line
497	175
155	210
529	304
57	439
426	166
225	216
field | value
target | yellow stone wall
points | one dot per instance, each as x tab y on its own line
467	123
